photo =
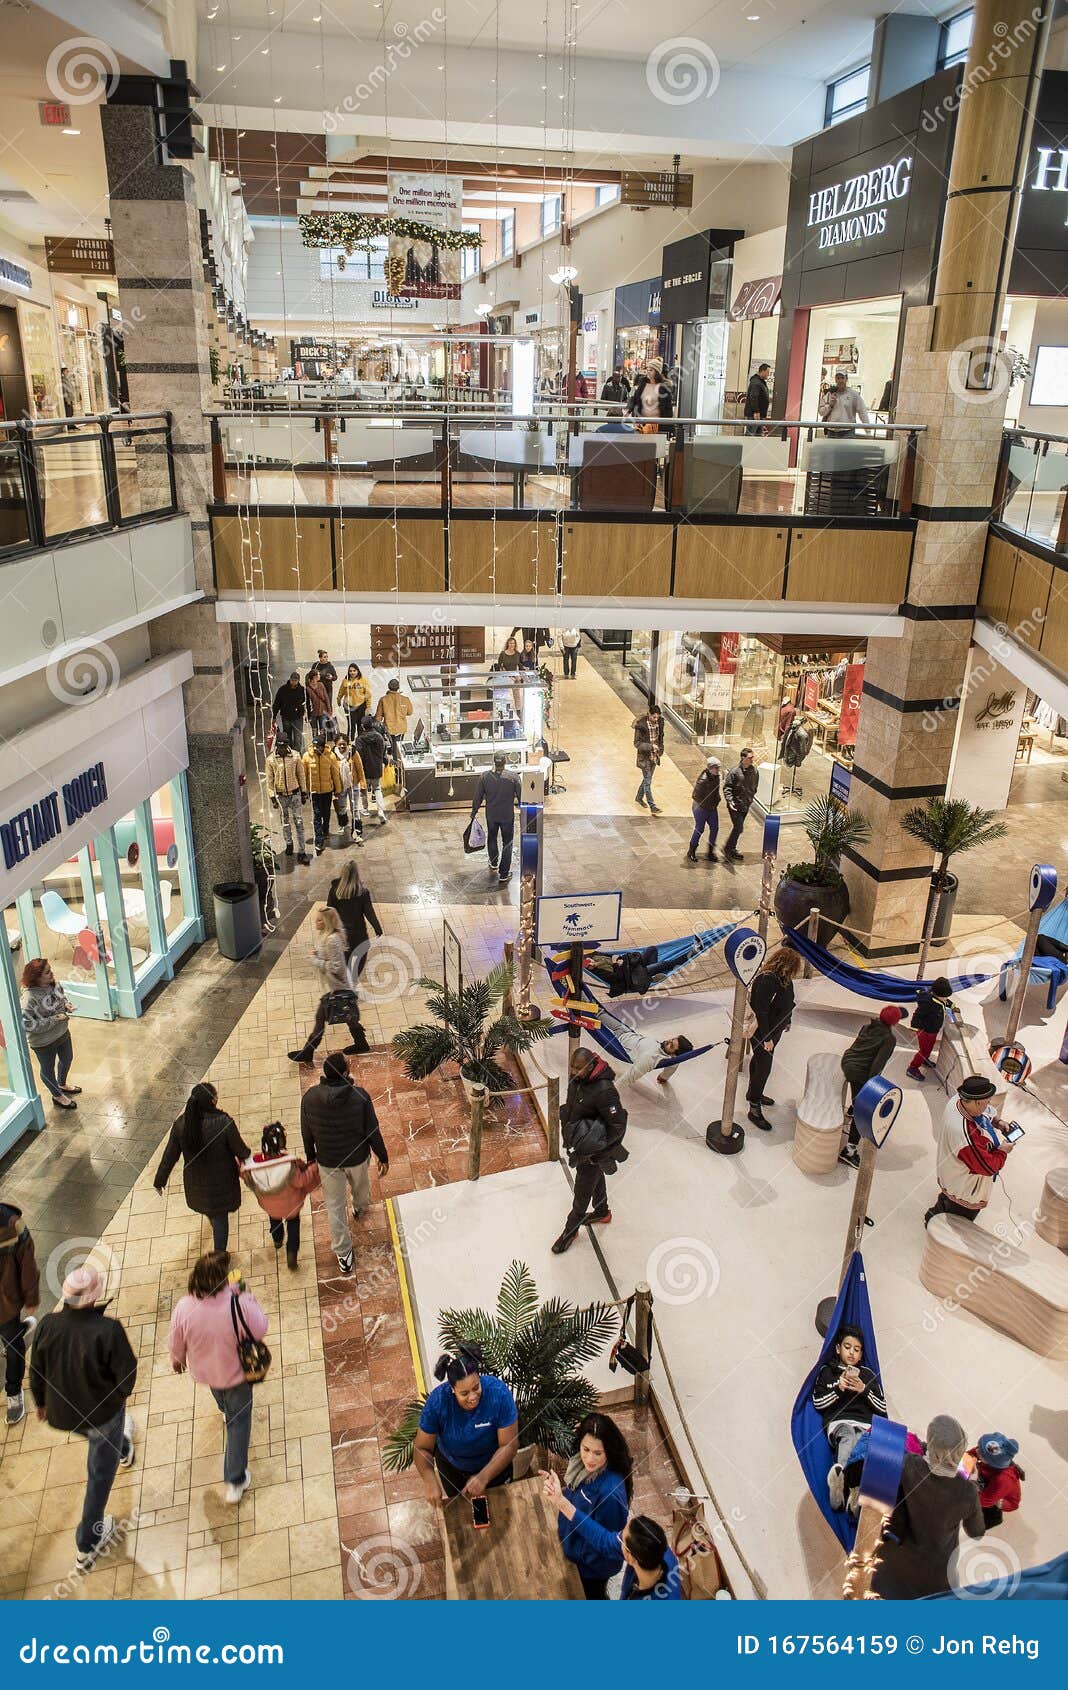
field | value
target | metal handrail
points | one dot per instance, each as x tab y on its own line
567	414
27	425
1036	434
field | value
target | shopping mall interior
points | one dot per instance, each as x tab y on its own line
534	553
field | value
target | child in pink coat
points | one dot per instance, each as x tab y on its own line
280	1182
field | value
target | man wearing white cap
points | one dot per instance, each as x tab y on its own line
704	801
82	1370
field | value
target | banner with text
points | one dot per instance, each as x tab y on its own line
425	269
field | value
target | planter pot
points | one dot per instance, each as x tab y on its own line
795	898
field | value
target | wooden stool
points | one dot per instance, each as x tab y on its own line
1051	1222
1021	1295
820	1115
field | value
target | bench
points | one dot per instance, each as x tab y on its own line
1051	1222
820	1115
1024	1296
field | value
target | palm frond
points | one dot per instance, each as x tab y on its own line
950	826
571	1337
398	1452
517	1301
423	1049
509	1033
497	982
457	1327
485	1072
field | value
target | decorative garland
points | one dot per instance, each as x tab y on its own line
348	228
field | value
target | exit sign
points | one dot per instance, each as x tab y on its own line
53	114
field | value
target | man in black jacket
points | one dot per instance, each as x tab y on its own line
499	791
616	389
593	1121
739	790
867	1056
704	801
340	1130
20	1292
289	710
82	1370
758	395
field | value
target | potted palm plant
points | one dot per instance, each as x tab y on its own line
470	1029
948	827
538	1349
831	828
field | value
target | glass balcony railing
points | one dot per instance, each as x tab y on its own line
75	476
1032	489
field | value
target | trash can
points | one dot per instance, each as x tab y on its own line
237	918
946	900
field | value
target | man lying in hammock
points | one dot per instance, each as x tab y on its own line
846	1396
644	1053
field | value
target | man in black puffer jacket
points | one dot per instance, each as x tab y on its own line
340	1129
373	751
593	1122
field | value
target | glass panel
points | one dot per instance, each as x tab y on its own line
37	332
142	469
956	39
171	805
14	526
169	842
58	920
848	95
70	474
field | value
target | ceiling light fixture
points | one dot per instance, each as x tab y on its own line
220	67
566	273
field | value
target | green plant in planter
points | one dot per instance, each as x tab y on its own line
213	364
831	829
463	1032
538	1349
948	827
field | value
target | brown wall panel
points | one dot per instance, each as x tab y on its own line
1030	594
999	566
294	552
371	558
525	560
843	566
1054	642
617	560
730	563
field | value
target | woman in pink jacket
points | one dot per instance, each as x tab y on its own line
202	1340
280	1182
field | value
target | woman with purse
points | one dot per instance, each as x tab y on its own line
216	1334
211	1148
338	1004
597	1486
771	1006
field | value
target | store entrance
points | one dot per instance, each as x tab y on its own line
858	341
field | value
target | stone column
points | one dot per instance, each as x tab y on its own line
951	381
156	229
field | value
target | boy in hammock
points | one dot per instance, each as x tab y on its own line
847	1396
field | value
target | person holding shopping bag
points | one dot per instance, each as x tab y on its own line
205	1332
338	1003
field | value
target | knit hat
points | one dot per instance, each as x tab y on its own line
997	1450
891	1014
946	1445
976	1089
81	1288
335	1067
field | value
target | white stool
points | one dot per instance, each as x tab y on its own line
820	1115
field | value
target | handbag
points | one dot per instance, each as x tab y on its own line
625	1354
252	1353
341	1006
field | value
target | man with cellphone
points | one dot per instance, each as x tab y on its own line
973	1144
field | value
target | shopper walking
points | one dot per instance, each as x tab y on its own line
354	697
394	708
324	785
593	1122
287	789
347	801
338	1003
280	1182
739	790
46	1013
82	1372
771	1003
319	717
20	1294
371	750
340	1131
648	749
651	398
928	1019
468	1430
289	710
499	791
328	676
352	901
204	1331
570	641
934	1503
867	1056
972	1147
212	1150
704	801
597	1486
68	387
616	390
758	396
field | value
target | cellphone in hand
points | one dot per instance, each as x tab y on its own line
1015	1133
480	1514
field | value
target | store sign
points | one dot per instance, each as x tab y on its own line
657	187
15	275
756	299
79	256
857	208
44	819
383	301
425	645
849	720
718	691
841	784
1040	254
684	285
730	646
884	200
988	732
810	696
573	918
54	114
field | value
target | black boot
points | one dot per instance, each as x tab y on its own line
759	1119
713	854
691	855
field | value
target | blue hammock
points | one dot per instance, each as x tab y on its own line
628	970
868	983
806	1427
1047	1583
614	1047
1049	970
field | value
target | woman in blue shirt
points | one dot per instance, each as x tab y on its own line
652	1568
468	1430
598	1486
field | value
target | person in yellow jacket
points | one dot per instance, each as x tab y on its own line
393	711
324	784
287	788
354	697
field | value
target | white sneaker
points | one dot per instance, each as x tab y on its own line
86	1557
836	1486
29	1323
127	1459
234	1493
16	1408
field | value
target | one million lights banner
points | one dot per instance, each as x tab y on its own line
425	269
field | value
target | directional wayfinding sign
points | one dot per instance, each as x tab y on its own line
578	918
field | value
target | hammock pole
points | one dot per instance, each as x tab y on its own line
858	1213
1026	959
812	933
574	1031
724	1135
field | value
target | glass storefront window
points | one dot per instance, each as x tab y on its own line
38	336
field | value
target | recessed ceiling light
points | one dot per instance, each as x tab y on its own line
220	67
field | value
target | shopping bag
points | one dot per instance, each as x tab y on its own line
474	836
389	778
700	1567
